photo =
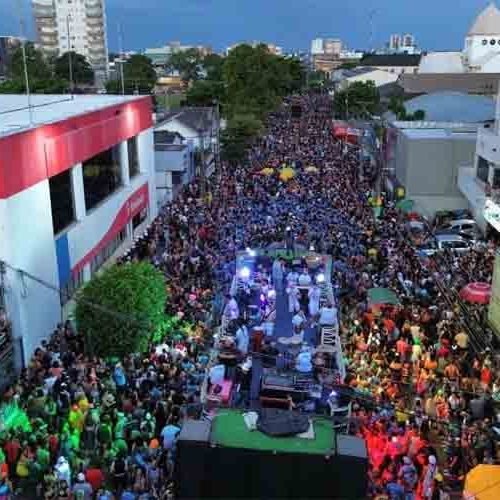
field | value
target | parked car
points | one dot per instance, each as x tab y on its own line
452	242
460	225
445	216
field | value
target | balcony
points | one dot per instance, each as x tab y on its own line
488	145
471	187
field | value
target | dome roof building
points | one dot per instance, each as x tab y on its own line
487	23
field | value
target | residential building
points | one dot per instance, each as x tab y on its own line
346	77
479	181
7	46
393	63
70	25
408	41
481	50
395	42
174	163
317	46
82	189
425	157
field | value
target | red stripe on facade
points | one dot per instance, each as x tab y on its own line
32	156
137	202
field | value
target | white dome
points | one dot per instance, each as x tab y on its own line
487	22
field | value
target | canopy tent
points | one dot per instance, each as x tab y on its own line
476	293
378	296
287	174
405	205
483	483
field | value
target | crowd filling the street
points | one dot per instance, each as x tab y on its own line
419	368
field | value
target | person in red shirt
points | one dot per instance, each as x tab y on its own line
12	451
95	477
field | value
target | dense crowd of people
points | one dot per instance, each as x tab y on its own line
106	429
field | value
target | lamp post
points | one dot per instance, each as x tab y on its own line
70	61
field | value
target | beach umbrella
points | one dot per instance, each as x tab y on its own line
266	171
483	483
287	174
476	293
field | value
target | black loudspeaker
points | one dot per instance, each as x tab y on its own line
351	461
190	474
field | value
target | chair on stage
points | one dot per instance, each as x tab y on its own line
341	417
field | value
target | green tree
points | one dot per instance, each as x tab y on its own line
419	115
205	92
188	63
238	135
348	65
213	65
139	76
359	99
120	310
82	71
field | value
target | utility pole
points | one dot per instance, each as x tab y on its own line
217	138
25	62
203	177
120	42
70	62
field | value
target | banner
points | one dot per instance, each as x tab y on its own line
494	307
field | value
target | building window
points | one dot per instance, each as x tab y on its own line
483	167
97	262
61	201
133	157
139	218
75	282
101	176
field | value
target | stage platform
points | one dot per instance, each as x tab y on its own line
229	430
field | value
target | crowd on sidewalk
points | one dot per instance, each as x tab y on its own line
107	429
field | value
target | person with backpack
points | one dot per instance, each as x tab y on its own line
119	474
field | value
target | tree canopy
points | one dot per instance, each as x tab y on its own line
120	310
359	99
82	70
396	105
139	76
238	134
187	63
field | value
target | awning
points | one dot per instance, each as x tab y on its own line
483	483
382	296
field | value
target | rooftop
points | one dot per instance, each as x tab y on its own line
391	60
441	62
46	109
193	118
487	22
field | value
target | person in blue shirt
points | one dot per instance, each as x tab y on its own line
119	377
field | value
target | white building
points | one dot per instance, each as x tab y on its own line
77	184
317	46
479	181
346	77
395	42
74	25
481	52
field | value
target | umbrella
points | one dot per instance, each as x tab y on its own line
483	483
405	205
382	296
266	171
311	168
287	174
478	292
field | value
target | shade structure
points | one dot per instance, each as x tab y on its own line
380	296
476	293
287	174
483	483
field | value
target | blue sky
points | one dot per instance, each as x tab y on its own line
437	24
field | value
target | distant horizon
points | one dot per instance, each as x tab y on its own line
291	24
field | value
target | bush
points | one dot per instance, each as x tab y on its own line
119	310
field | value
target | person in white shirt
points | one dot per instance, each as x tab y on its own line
231	310
292	278
303	363
328	315
304	278
299	323
278	272
314	296
293	298
242	338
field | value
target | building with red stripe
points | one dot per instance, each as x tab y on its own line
77	183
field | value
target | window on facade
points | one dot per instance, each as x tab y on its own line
101	176
133	157
482	169
139	218
61	200
97	262
68	290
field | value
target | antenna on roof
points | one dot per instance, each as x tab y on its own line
25	63
122	57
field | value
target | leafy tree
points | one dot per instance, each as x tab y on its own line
348	65
121	310
38	69
138	74
359	99
419	115
82	71
212	65
205	92
238	135
188	63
